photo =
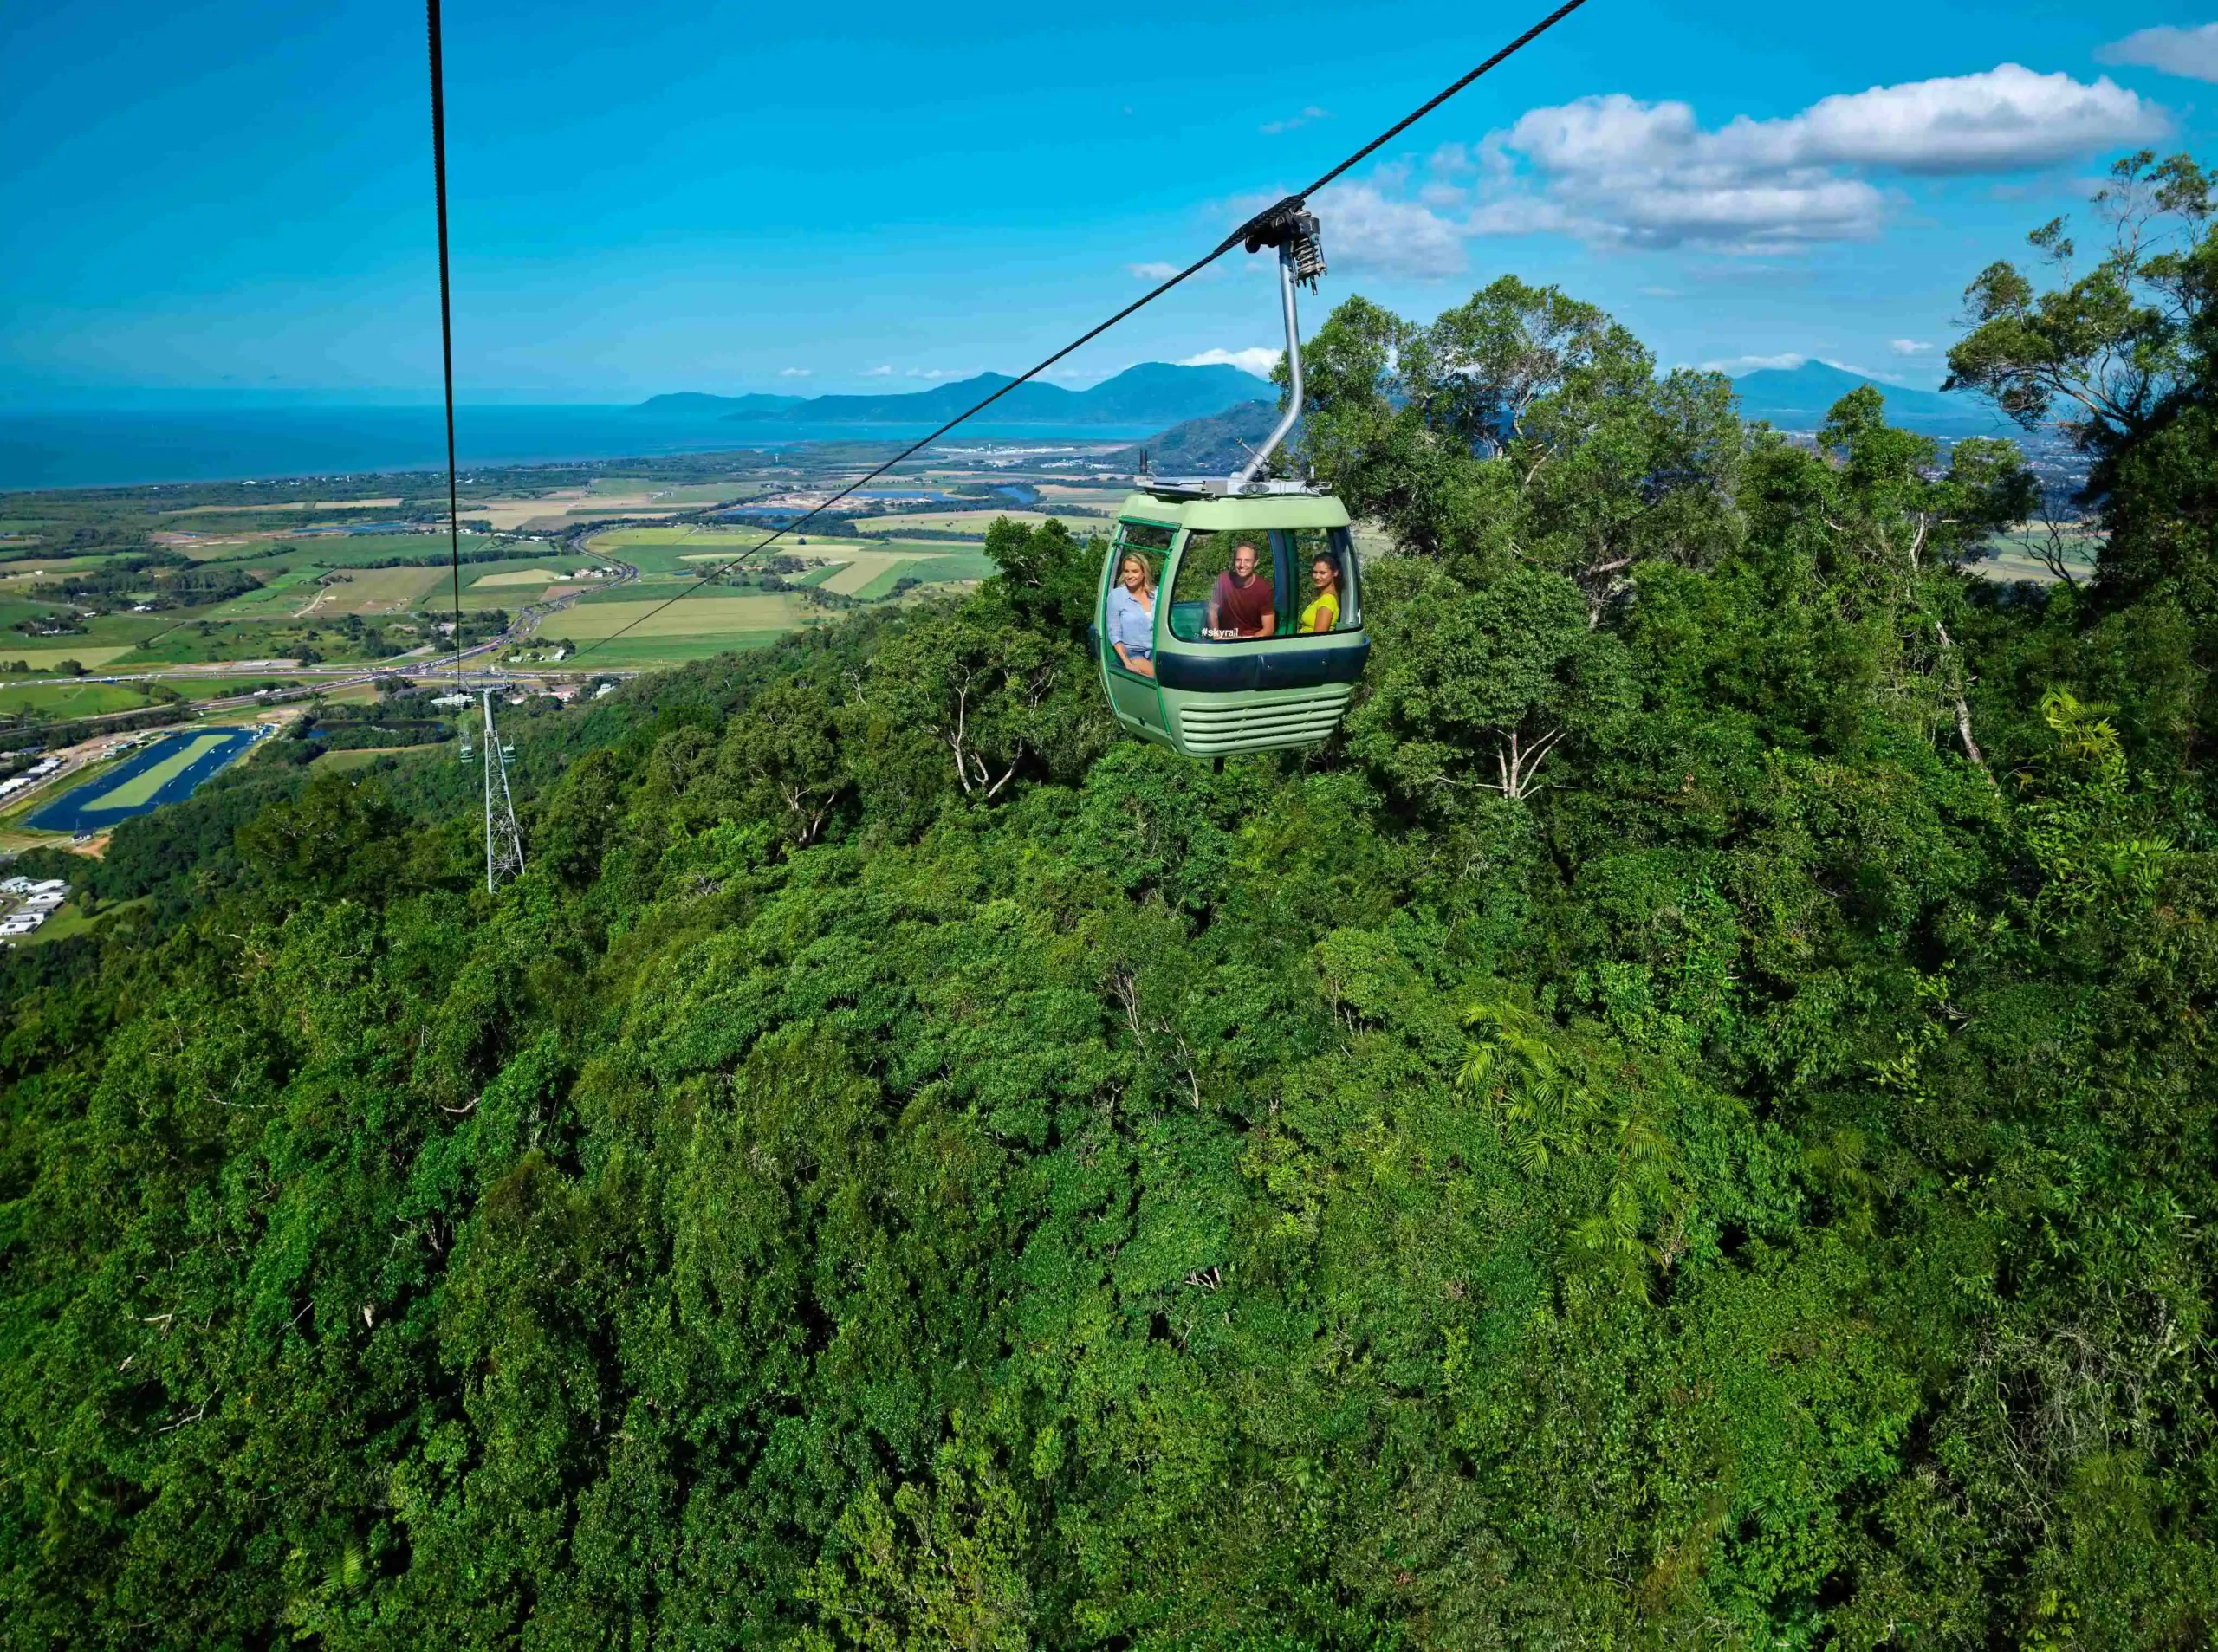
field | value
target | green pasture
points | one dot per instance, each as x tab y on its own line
936	570
221	548
225	688
950	521
279	596
634	649
255	639
68	921
47	658
512	576
14	610
691	493
662	551
28	565
705	615
114	630
351	550
185	644
2019	556
958	564
64	700
65	921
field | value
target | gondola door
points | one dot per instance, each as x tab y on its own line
1133	695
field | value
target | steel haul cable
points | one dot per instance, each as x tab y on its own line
446	310
1267	216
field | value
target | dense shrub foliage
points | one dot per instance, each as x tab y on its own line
1690	1123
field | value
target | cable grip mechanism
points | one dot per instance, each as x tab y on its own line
1292	228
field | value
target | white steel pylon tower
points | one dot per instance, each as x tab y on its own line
503	842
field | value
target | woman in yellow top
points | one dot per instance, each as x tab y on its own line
1324	613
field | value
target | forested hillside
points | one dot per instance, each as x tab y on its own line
1689	1123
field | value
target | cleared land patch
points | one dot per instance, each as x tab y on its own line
2019	556
521	576
945	522
633	649
865	568
45	659
295	504
70	699
373	590
694	616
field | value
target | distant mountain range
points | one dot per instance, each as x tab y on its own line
1797	399
1222	403
1155	392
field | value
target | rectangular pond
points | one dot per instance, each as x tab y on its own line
164	771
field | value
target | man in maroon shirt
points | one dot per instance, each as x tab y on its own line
1243	605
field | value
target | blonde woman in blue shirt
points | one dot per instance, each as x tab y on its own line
1132	615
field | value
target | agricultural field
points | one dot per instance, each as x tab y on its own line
705	615
949	521
365	591
48	659
605	497
1093	497
2019	556
281	577
673	553
636	651
62	701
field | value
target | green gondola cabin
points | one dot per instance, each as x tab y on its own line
1230	623
1229	617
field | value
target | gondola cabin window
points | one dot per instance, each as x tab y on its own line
1134	590
1253	584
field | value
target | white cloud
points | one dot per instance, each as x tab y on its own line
1258	360
1366	229
1910	347
1155	271
878	372
1613	169
2192	54
2007	120
1733	367
793	372
1313	113
1452	160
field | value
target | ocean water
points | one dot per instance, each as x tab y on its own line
98	448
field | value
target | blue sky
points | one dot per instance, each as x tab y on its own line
655	197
